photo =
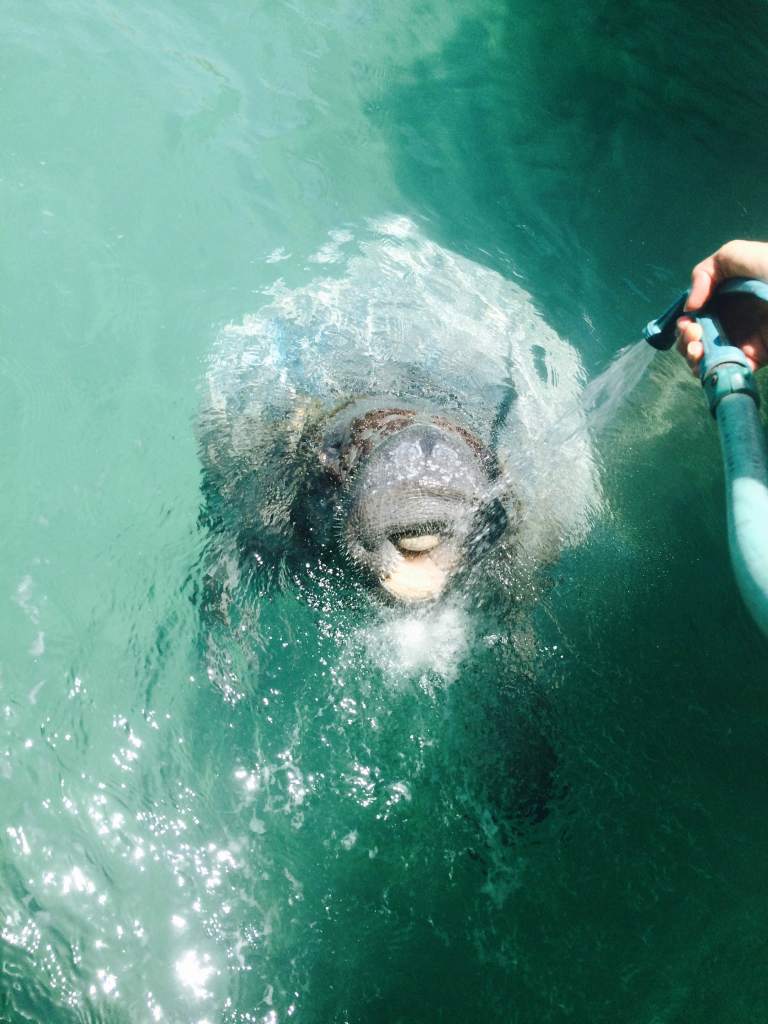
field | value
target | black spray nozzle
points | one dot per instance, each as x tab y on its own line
660	333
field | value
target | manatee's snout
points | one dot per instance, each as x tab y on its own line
417	507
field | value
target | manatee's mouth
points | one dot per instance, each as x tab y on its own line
417	544
421	531
420	563
416	563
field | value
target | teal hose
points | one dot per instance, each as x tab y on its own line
745	458
733	401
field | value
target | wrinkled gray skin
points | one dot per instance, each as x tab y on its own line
402	478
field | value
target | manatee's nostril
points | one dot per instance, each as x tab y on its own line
427	444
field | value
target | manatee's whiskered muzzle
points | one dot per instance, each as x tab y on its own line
412	509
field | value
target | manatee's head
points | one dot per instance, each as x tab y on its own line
419	509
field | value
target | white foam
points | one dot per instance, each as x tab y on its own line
405	645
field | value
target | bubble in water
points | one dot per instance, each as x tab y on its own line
409	644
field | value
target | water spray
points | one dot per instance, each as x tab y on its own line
729	385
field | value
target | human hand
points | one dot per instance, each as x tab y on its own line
744	317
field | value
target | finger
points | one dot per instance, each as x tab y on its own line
703	281
693	355
687	331
755	348
689	343
755	355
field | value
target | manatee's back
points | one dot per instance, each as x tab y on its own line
410	319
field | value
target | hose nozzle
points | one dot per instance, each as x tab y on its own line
724	368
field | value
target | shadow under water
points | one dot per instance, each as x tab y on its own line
595	152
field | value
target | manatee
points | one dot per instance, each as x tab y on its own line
408	417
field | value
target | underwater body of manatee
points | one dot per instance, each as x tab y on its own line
402	447
369	649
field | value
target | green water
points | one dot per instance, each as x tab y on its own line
322	841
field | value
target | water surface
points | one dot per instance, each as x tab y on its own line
323	824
